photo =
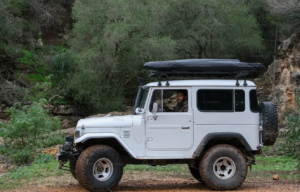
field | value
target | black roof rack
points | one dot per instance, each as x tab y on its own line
201	67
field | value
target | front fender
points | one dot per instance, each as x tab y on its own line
88	136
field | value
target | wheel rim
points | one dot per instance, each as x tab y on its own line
224	168
103	169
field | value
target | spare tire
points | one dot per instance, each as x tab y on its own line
269	122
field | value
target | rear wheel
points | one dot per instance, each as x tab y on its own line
99	168
223	167
195	173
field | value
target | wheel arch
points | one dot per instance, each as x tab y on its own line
111	139
211	139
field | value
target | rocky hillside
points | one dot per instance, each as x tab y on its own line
284	75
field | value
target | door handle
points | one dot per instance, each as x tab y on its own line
185	127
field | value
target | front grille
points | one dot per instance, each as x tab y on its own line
126	134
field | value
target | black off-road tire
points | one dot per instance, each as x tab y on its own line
206	167
195	173
85	164
269	122
72	165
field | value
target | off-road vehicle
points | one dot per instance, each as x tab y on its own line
217	134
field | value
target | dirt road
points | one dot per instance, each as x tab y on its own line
172	184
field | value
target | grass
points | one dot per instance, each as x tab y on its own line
45	167
274	149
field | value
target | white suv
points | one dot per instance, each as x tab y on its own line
217	134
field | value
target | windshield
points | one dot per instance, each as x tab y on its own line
144	98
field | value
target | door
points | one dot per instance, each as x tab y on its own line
172	130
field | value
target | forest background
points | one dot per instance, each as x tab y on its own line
89	53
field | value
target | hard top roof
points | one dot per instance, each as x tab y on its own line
202	82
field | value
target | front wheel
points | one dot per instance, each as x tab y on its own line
72	165
223	167
99	168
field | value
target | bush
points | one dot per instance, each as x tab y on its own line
29	128
27	59
62	64
291	144
43	158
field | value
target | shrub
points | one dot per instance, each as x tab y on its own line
291	146
62	64
27	59
29	128
43	158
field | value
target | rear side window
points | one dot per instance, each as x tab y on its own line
253	101
215	100
239	100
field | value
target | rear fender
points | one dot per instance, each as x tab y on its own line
220	136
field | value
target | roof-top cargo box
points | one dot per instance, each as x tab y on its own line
201	67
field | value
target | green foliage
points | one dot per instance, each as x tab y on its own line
213	29
42	89
43	158
10	30
28	129
280	163
62	65
113	39
291	146
27	59
60	49
41	167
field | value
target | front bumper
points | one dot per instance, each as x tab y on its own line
62	155
66	152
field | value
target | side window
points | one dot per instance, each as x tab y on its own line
239	100
253	101
170	100
156	98
175	100
215	100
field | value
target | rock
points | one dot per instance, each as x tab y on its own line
62	110
285	75
52	151
3	168
276	177
39	42
68	122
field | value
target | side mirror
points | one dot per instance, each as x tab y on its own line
154	110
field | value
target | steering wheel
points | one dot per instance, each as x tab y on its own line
159	109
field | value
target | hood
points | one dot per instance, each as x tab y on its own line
106	122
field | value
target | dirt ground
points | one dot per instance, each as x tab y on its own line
157	183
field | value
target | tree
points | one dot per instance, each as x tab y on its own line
113	39
287	13
213	29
